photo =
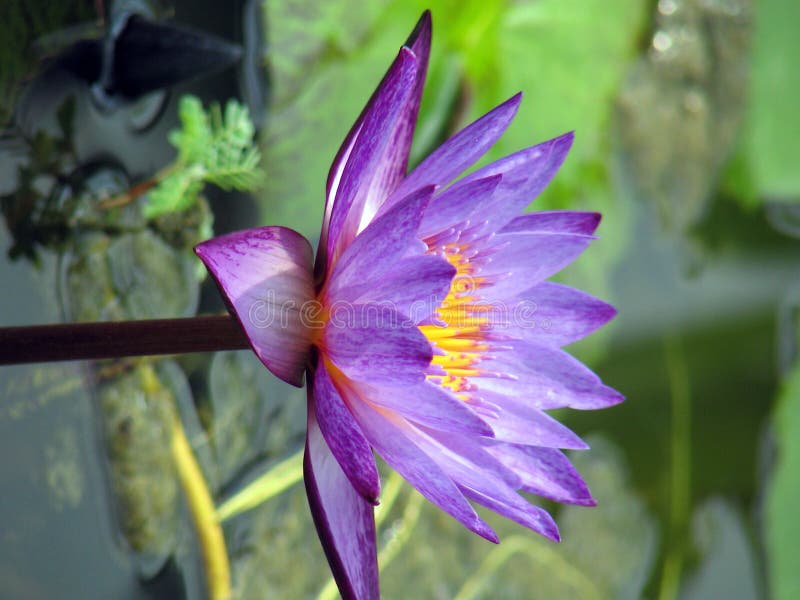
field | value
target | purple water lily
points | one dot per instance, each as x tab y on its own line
427	330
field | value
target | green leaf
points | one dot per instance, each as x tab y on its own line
781	520
213	148
176	192
231	159
194	136
775	86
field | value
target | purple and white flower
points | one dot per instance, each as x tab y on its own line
427	330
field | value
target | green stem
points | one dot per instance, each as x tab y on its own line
680	468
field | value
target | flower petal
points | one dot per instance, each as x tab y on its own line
525	174
371	166
516	422
483	478
265	276
375	343
513	506
453	157
545	472
376	250
415	287
455	204
429	405
344	520
518	261
419	43
344	437
546	378
393	439
555	221
555	314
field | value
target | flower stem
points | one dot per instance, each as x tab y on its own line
680	469
81	341
201	507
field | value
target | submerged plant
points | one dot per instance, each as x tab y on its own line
426	331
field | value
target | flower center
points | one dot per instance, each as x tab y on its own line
460	343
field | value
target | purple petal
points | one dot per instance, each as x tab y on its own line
394	441
344	520
555	221
415	287
555	314
376	250
375	343
486	480
454	205
519	423
466	461
265	277
545	378
429	405
344	437
545	472
518	261
459	152
372	166
515	507
525	174
419	42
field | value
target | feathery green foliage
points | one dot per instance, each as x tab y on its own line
212	148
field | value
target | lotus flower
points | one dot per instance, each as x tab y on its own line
426	331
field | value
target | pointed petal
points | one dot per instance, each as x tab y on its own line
454	206
459	152
518	261
545	472
515	507
555	314
344	437
265	277
415	287
377	249
344	520
518	423
375	343
555	221
545	378
393	439
483	478
419	43
525	174
429	405
372	165
466	461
